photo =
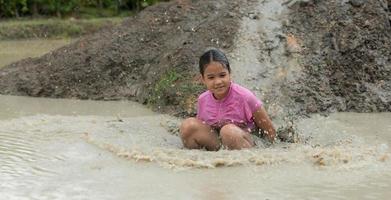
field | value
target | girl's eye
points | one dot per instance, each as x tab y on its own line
210	77
222	75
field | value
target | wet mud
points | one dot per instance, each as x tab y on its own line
132	60
346	56
299	56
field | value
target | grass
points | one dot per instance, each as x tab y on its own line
52	27
40	21
177	90
162	89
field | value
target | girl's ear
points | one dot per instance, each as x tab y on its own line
202	79
198	78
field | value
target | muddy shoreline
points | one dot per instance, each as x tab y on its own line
336	57
149	58
52	28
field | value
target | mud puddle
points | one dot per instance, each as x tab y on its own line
62	155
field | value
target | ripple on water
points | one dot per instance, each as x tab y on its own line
41	151
144	139
22	149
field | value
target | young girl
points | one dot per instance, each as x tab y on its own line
226	113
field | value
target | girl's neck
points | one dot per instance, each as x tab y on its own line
220	98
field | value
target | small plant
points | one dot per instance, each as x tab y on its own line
190	91
162	91
174	89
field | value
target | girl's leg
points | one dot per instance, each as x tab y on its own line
233	137
197	135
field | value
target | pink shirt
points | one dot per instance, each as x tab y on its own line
236	108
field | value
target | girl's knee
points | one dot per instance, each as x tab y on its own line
233	137
188	126
227	132
228	129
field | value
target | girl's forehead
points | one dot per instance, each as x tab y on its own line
214	67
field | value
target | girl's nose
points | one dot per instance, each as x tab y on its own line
218	81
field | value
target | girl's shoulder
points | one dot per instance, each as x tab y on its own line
247	97
204	95
242	91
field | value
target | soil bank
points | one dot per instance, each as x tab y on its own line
342	47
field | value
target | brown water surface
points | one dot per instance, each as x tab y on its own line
67	149
14	50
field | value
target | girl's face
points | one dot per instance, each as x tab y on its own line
217	79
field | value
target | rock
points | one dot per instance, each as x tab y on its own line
292	45
357	3
253	16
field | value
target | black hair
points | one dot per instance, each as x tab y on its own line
213	55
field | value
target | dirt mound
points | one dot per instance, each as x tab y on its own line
347	56
149	57
152	57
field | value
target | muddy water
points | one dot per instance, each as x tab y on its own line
72	149
69	149
14	50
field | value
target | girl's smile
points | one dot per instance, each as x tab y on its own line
217	79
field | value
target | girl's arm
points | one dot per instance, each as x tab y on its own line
262	120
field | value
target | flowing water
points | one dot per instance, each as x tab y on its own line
14	50
72	149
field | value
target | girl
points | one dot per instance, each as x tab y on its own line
226	113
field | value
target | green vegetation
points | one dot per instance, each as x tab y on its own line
52	28
24	19
189	92
175	89
70	8
163	88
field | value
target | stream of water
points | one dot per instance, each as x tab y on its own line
72	149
